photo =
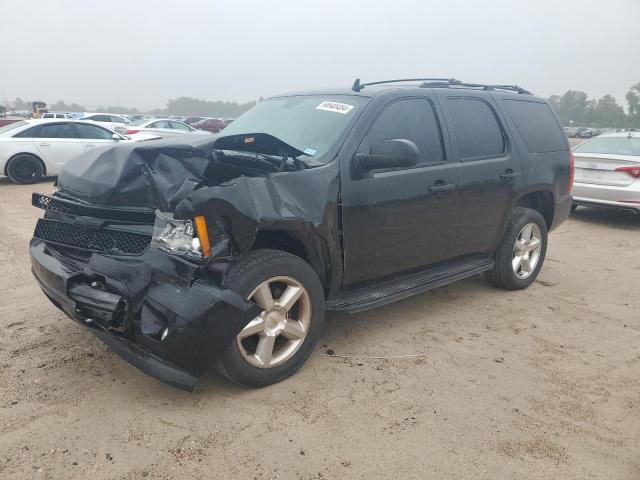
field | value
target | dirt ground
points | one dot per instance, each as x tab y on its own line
542	383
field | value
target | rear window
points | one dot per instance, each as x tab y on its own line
537	126
11	126
476	129
611	145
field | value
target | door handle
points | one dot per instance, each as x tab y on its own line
43	144
441	187
509	175
90	145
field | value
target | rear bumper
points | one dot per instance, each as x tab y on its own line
154	312
607	195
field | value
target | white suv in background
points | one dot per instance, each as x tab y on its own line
108	120
49	115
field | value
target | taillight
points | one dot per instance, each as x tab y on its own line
131	132
572	171
633	171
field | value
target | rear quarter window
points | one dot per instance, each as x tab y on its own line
536	125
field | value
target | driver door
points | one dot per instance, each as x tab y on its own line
93	136
405	218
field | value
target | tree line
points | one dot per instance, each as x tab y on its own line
575	108
179	106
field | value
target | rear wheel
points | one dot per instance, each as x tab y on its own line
521	253
276	343
25	168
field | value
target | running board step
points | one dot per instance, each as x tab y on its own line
399	288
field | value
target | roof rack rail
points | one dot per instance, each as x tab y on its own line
357	86
443	82
511	88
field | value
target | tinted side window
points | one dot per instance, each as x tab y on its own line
536	125
475	129
411	119
87	131
160	124
56	130
32	132
117	119
179	126
99	118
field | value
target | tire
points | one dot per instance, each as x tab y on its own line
504	272
25	168
239	361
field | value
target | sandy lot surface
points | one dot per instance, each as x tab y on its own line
543	383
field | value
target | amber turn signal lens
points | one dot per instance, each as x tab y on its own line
203	235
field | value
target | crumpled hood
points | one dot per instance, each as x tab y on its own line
159	174
152	175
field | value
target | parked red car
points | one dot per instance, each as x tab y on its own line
213	125
192	120
7	121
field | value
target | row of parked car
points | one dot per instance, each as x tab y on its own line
121	123
586	132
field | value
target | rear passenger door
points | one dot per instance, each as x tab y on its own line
403	218
57	142
490	171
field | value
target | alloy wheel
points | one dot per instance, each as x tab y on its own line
275	335
527	250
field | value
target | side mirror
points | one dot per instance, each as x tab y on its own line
390	153
115	137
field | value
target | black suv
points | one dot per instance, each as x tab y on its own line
228	249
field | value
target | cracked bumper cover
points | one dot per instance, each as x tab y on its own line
128	304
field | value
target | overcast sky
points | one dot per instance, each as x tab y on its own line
141	53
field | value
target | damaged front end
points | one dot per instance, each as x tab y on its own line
136	242
163	313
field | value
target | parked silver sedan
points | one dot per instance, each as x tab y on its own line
607	172
161	126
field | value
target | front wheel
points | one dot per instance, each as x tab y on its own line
521	253
276	343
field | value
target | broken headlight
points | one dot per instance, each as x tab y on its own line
177	237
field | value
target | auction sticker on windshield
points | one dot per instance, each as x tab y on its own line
336	107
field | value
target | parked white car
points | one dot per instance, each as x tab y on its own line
163	127
108	120
31	149
607	172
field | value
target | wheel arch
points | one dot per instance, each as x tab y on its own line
542	201
308	248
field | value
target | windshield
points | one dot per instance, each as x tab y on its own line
611	146
11	126
311	124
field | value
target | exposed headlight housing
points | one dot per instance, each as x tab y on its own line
178	237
